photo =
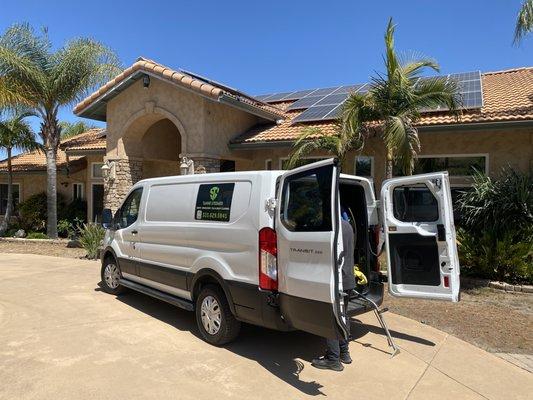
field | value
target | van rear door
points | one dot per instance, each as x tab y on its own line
420	238
309	249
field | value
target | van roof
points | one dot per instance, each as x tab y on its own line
212	176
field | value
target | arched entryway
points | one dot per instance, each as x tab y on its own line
154	141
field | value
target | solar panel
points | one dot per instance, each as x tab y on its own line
305	102
325	103
316	113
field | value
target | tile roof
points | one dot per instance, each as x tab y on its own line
203	86
508	96
93	139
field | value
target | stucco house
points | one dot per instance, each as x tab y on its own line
157	117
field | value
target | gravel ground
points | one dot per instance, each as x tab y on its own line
493	320
56	248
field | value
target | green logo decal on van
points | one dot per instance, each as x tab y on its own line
213	193
214	202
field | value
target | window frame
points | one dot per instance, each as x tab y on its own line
316	158
19	193
267	162
82	191
92	170
458	155
371	166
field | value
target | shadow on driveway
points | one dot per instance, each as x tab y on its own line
278	352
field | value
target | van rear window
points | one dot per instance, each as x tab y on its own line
214	202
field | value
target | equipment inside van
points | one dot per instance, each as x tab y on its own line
265	247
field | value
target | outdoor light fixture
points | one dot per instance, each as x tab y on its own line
146	81
108	170
186	166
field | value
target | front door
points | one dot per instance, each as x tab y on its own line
97	202
420	238
309	247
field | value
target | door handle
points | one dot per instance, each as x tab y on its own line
134	232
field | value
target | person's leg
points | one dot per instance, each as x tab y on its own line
344	349
332	358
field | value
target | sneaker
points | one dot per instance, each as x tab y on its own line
345	358
326	363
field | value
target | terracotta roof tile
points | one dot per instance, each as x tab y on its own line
508	96
205	88
93	139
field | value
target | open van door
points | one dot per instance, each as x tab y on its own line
309	246
420	238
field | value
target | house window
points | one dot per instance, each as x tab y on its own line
284	162
456	165
3	196
268	165
77	191
364	166
96	170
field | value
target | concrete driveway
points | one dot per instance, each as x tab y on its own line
61	337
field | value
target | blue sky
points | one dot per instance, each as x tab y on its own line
269	46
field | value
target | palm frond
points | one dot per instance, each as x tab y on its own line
80	66
402	137
524	21
310	141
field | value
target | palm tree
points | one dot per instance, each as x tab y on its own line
69	129
393	104
524	21
312	139
35	75
15	133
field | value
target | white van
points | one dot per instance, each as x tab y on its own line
263	247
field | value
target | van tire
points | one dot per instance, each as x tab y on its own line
112	263
229	326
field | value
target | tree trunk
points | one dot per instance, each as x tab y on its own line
50	132
9	207
389	164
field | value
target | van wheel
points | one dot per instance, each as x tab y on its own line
111	275
215	321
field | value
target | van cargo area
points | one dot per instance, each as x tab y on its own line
353	202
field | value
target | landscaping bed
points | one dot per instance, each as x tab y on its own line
57	248
491	319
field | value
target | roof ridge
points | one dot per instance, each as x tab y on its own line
507	71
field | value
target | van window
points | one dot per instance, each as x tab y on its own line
170	202
130	209
415	204
306	201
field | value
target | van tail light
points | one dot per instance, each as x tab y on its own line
446	282
268	263
376	249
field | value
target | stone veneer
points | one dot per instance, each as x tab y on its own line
127	173
210	164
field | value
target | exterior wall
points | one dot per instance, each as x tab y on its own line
204	128
31	183
512	147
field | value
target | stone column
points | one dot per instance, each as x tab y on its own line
210	164
128	171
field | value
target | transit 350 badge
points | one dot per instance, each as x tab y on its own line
214	202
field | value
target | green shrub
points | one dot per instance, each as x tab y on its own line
505	259
496	238
65	228
36	235
32	212
75	210
91	238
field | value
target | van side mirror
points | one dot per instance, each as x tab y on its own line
107	218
